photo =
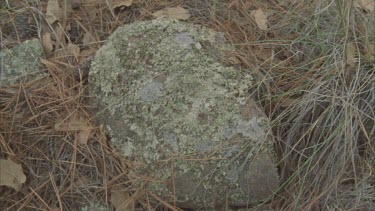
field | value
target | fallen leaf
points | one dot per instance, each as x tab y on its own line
234	60
351	55
86	56
367	5
173	12
82	181
47	43
47	63
260	18
54	11
121	3
286	102
72	124
90	6
83	135
103	137
265	54
90	2
70	50
120	198
288	3
88	38
11	174
78	124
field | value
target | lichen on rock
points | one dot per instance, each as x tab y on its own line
168	102
20	61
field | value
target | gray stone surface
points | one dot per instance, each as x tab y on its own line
169	103
20	61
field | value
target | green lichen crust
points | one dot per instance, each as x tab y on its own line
168	102
20	61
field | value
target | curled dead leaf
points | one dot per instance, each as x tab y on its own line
120	199
54	12
173	12
234	60
88	38
47	43
83	135
103	137
68	51
11	174
80	125
286	102
260	18
71	124
368	5
351	55
121	3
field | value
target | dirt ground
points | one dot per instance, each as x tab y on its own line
313	61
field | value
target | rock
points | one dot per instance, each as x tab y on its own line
169	103
20	61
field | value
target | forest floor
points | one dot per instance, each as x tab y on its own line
313	60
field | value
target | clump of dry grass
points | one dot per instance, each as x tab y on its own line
327	133
318	89
315	72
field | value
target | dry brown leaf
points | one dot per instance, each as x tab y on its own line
103	139
351	55
11	174
85	56
88	38
47	43
286	102
59	37
47	63
119	199
234	60
367	5
89	6
82	181
78	124
121	3
288	3
260	18
70	50
265	54
72	124
83	135
90	2
173	12
54	11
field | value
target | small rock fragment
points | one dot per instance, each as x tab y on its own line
20	61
